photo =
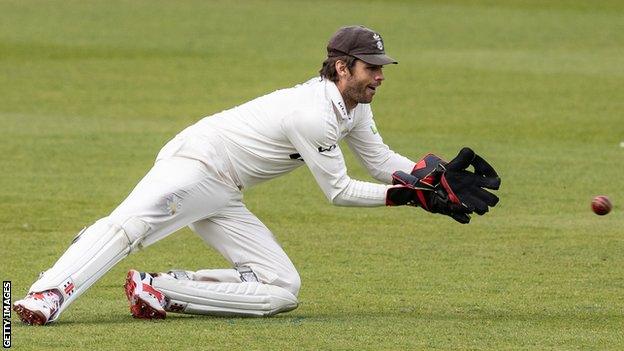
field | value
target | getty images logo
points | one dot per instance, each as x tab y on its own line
6	314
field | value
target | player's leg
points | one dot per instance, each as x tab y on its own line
93	252
264	281
173	194
245	241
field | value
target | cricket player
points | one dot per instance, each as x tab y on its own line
198	179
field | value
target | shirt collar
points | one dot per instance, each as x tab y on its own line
336	98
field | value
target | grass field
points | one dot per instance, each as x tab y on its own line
90	91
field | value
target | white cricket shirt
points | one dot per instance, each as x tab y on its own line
276	133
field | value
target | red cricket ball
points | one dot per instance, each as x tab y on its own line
601	205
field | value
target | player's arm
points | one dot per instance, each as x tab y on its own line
316	140
370	150
450	191
429	183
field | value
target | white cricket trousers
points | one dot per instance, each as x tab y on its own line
180	191
191	184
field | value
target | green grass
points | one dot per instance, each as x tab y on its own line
90	90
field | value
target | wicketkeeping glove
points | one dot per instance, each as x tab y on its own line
410	190
468	188
447	188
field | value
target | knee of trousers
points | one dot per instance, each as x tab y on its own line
135	229
288	280
292	283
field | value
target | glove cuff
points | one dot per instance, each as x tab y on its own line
408	190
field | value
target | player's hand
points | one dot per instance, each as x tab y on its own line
410	190
447	188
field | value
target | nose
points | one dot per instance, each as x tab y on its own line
379	76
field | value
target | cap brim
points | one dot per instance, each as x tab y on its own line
376	59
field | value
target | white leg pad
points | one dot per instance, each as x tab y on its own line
92	253
252	299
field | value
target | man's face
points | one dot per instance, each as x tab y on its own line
359	85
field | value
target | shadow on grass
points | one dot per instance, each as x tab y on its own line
355	316
172	318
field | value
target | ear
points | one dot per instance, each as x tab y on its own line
342	69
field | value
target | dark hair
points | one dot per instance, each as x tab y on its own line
328	70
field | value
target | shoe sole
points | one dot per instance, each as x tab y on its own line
29	317
142	310
139	307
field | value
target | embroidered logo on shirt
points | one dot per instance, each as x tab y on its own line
296	156
342	108
373	128
322	149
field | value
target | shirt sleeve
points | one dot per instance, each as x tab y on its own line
316	140
369	148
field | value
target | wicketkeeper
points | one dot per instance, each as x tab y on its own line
198	179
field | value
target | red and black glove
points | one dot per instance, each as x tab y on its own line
410	190
447	188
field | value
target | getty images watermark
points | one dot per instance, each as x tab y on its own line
6	314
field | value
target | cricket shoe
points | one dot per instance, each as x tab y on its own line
38	308
145	301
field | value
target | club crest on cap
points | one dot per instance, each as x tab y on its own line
379	42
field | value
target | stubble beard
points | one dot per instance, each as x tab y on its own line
356	93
